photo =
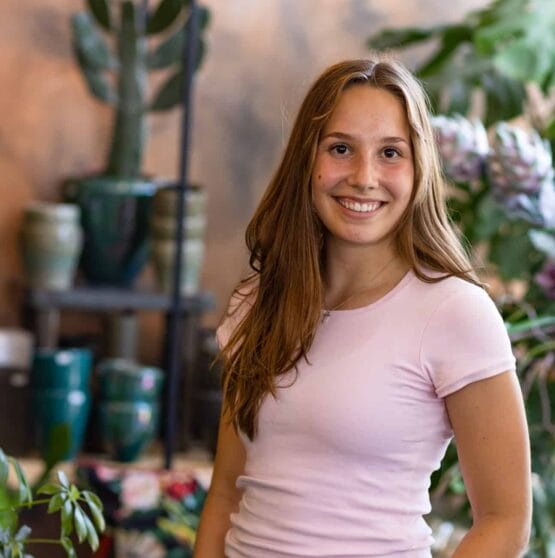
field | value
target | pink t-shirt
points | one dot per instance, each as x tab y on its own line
342	462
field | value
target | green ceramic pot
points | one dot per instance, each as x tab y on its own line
165	201
115	214
51	241
65	369
163	232
125	380
126	428
60	419
162	253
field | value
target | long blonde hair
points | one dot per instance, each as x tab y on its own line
285	291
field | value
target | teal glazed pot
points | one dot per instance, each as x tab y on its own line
51	240
115	215
125	380
61	369
127	428
60	420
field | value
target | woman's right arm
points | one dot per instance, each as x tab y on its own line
223	496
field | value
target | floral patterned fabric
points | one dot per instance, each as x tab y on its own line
150	512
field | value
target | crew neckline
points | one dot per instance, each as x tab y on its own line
403	282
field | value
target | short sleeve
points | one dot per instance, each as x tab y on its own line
464	341
238	307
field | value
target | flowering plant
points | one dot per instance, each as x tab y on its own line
503	200
151	513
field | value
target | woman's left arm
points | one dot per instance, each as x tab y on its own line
491	434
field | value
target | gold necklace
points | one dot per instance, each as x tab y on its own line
327	311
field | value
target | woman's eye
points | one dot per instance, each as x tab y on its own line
339	149
391	153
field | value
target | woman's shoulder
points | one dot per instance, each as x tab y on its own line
240	302
440	284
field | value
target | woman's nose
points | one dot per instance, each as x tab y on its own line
363	174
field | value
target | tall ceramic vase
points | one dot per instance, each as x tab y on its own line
163	232
51	242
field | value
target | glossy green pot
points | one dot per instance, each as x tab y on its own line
60	420
127	428
65	369
125	380
115	215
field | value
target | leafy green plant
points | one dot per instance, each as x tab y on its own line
116	45
497	49
60	497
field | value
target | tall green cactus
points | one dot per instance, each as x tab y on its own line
114	48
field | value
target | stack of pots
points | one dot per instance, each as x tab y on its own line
129	407
61	401
16	350
163	234
51	243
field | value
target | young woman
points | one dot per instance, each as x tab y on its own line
361	343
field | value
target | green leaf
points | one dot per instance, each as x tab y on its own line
169	51
504	97
49	488
90	43
523	61
92	536
529	325
97	84
80	524
452	38
24	492
170	93
96	510
101	12
62	477
23	533
549	131
67	517
164	15
512	253
4	469
68	547
544	242
394	38
56	503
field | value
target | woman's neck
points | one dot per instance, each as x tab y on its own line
360	275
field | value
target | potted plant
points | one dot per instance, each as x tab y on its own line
59	497
117	44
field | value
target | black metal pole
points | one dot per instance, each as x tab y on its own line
174	328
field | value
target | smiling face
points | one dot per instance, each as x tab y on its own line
363	173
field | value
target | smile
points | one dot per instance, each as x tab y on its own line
359	207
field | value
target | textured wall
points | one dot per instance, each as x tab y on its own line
262	56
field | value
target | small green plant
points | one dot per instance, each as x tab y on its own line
60	497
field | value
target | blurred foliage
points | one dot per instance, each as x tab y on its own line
506	51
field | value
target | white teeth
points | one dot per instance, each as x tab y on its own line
360	207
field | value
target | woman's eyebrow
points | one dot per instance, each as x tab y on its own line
344	136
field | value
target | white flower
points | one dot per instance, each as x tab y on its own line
140	490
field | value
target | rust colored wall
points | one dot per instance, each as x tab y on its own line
262	56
